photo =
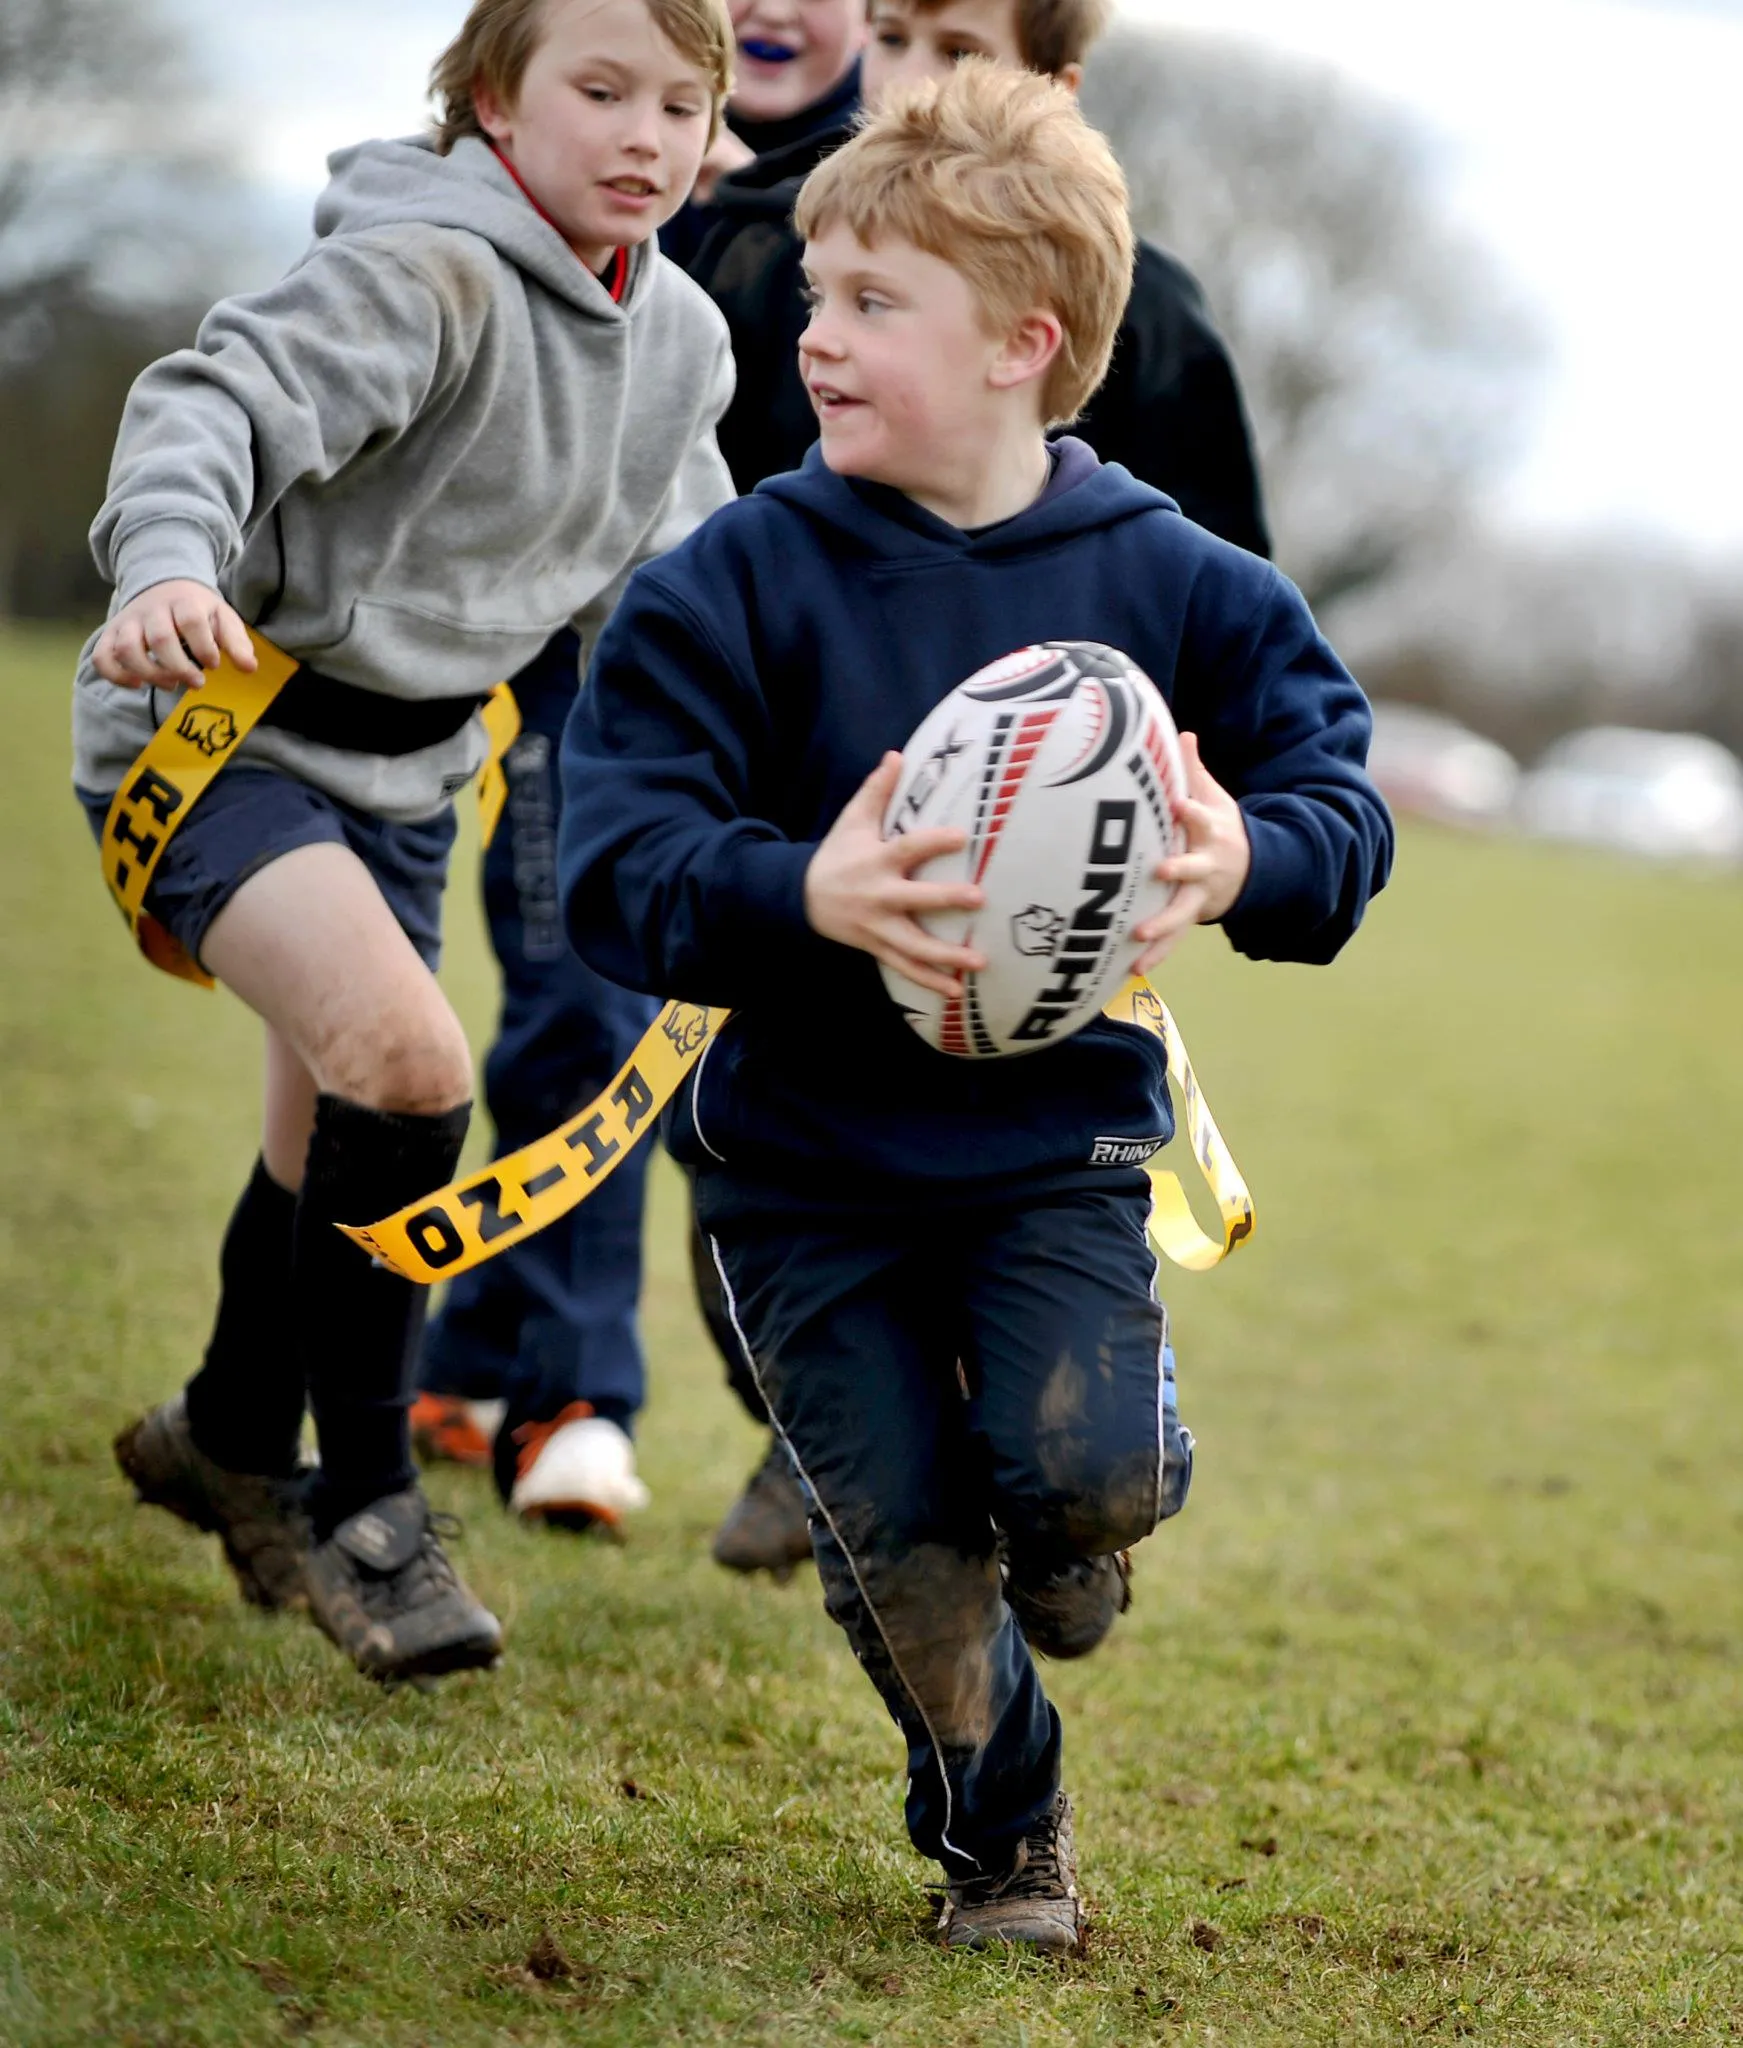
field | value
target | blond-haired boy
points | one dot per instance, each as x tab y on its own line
476	402
1169	409
948	1303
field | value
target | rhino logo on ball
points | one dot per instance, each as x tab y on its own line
1036	932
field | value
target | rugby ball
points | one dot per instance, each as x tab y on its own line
1062	765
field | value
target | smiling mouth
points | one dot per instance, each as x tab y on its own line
631	188
829	402
767	53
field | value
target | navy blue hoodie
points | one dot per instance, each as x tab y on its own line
751	679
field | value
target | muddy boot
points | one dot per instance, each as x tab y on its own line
382	1588
766	1529
1065	1612
1034	1904
259	1519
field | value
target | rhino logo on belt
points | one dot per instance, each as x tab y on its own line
209	727
686	1027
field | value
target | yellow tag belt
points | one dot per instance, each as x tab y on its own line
459	1227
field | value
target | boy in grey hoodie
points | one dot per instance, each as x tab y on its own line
477	402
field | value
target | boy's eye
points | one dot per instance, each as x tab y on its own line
810	296
599	94
869	302
684	110
891	39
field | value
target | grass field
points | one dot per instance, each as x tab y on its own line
1427	1720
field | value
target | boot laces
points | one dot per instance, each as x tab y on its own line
1034	1871
426	1573
533	1436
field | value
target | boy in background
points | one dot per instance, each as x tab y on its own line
533	1368
796	97
475	403
534	1365
1170	410
950	1308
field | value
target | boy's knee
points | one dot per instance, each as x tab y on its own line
420	1067
1095	1509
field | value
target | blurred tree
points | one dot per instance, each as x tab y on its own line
120	217
1384	365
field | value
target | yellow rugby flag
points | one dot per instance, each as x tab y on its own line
459	1227
197	742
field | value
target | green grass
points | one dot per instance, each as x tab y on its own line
1426	1720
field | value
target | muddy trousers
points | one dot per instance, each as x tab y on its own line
553	1320
960	1387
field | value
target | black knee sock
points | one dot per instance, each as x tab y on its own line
357	1324
245	1404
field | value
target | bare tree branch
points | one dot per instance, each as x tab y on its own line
1383	363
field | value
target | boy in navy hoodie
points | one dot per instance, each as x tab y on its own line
1169	409
950	1308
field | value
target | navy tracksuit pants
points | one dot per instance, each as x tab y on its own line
552	1320
946	1377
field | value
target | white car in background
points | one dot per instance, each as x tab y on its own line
1671	795
1430	764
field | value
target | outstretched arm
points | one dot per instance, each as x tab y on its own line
287	383
1283	732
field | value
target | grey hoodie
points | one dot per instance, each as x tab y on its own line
430	445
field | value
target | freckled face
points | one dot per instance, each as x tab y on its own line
792	52
609	125
897	362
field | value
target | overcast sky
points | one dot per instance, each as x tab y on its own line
1596	145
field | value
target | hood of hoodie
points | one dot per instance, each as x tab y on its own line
390	184
767	188
881	521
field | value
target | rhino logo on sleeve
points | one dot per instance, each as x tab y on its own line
210	727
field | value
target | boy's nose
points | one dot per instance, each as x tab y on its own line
817	338
767	14
641	135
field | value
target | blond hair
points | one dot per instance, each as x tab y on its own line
1050	33
498	37
998	174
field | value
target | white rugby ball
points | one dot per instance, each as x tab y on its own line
1061	763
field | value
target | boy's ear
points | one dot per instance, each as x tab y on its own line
1028	351
1070	76
493	117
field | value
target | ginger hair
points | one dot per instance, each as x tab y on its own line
996	173
498	37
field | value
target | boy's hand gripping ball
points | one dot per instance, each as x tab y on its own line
1062	765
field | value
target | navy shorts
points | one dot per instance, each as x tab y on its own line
249	816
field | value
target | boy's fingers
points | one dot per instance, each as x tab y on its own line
911	850
872	798
109	661
1182	911
908	940
1199	819
1185	867
197	636
927	977
922	899
165	653
233	638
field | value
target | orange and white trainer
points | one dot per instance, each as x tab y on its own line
447	1430
576	1471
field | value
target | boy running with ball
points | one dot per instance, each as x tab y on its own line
949	1306
474	405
